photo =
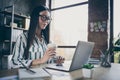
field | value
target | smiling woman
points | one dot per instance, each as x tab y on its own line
31	47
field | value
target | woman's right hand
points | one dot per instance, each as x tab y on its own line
48	54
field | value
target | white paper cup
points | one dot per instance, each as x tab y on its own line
51	46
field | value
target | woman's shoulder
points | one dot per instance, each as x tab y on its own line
24	35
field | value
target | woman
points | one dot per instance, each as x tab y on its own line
31	47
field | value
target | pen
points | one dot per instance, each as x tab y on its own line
46	71
28	69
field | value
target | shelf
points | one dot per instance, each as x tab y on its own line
10	13
12	27
20	21
7	26
6	33
15	27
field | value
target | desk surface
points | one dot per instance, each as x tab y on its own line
99	73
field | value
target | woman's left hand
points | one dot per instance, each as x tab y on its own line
60	60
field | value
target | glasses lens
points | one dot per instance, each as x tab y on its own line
45	18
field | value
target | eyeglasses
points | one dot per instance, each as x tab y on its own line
45	18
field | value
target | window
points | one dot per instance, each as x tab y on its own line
61	3
69	24
116	32
116	17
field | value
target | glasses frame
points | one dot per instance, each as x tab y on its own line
45	18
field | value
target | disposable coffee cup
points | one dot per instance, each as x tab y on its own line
51	46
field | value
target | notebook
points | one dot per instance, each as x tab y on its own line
82	54
40	74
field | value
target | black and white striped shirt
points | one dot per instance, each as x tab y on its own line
36	50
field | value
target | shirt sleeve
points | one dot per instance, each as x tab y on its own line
18	52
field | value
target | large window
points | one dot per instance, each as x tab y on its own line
116	28
62	3
69	24
116	17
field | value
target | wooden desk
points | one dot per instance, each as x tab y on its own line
112	73
100	73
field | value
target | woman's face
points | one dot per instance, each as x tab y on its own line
44	19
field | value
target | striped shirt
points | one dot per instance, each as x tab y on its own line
36	50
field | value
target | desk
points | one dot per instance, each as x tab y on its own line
100	73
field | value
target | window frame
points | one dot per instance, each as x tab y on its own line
64	7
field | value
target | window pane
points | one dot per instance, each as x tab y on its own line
69	25
67	53
116	17
60	3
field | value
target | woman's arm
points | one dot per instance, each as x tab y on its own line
49	53
18	52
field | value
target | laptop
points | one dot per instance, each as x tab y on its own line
82	54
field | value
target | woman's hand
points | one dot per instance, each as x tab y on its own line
60	60
48	54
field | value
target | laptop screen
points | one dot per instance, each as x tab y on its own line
82	53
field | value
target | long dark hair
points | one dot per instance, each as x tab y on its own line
34	18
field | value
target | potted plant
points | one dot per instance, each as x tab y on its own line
116	49
87	70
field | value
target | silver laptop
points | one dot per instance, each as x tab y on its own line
82	53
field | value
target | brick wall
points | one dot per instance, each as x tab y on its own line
98	25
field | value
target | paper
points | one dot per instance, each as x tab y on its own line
13	77
39	75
